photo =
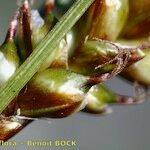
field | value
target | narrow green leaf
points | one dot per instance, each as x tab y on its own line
45	48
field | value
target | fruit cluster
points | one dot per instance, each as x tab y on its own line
111	38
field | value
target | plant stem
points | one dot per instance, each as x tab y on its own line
44	49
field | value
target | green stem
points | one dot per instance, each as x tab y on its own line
44	49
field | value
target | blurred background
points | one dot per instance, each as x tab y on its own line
127	128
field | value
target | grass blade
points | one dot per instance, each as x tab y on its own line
32	64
